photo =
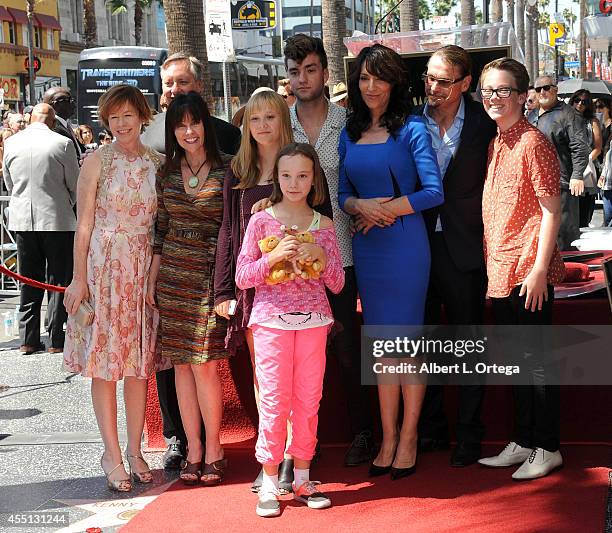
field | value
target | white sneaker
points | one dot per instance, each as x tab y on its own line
512	454
267	504
540	463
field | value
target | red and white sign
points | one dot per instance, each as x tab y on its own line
589	60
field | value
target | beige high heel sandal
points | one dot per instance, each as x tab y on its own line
139	477
117	485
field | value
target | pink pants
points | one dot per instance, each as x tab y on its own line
289	366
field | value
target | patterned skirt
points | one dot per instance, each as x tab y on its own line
191	332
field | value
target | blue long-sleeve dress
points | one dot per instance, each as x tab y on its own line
392	263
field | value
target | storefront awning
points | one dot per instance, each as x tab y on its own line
4	14
19	16
47	21
598	27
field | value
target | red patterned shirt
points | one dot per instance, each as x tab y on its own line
522	167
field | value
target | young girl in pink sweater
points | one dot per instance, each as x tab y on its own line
290	321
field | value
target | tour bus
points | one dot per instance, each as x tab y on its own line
101	68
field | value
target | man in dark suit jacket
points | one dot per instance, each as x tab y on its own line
461	132
60	99
180	74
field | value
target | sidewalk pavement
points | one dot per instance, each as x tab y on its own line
50	448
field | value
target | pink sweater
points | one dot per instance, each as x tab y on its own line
299	295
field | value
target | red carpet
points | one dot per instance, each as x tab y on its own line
436	499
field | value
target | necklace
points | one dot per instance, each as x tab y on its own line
194	180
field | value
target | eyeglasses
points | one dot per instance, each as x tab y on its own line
580	101
442	82
500	92
543	88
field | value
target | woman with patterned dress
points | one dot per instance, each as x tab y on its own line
190	210
117	204
388	175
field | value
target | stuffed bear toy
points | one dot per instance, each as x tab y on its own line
309	269
281	271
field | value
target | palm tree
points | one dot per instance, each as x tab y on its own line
497	11
510	8
520	23
333	21
409	15
90	28
186	33
120	6
468	13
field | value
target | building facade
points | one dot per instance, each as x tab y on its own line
14	39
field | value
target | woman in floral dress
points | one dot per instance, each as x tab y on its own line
117	205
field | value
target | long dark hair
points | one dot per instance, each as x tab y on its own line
191	104
384	63
584	94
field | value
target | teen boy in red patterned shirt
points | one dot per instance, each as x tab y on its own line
521	215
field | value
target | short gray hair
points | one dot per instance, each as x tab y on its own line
195	66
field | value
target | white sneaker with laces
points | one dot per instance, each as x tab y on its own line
512	454
540	463
308	494
267	504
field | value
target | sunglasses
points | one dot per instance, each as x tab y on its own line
580	101
543	88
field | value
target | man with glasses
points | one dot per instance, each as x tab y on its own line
460	132
521	214
60	99
566	129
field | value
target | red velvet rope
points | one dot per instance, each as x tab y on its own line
32	282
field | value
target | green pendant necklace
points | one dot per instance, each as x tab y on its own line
194	181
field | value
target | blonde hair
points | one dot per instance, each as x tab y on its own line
244	164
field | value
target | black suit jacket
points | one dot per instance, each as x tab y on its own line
461	213
62	130
228	135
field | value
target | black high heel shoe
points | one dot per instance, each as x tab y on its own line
375	470
399	473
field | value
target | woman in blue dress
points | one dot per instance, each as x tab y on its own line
388	175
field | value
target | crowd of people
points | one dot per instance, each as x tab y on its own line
195	241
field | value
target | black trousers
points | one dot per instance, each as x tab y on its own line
536	407
44	256
347	348
462	294
569	230
168	403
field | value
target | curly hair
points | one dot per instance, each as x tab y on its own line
387	65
